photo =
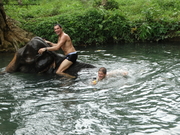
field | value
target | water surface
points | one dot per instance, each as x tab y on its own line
145	102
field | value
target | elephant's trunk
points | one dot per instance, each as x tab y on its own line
13	65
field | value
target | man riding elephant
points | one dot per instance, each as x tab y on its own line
64	43
27	59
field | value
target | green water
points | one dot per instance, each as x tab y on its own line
147	102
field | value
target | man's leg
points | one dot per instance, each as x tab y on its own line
64	65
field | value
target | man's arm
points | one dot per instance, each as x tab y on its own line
54	47
60	43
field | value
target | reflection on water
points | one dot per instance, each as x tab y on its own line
146	102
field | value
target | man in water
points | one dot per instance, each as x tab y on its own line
64	43
102	73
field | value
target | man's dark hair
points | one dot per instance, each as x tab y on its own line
103	69
58	25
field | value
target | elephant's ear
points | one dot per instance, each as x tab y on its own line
43	62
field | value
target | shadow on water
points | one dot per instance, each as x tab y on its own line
146	102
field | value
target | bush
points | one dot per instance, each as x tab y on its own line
113	21
93	27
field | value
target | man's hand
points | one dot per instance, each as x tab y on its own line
42	50
94	82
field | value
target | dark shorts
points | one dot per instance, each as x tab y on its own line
72	57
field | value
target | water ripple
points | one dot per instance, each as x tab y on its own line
146	102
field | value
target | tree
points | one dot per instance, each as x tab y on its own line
103	2
11	36
19	2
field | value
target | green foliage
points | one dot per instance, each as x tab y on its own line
22	1
116	27
88	27
90	22
93	27
169	4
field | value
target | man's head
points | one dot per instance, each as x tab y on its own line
58	29
58	25
102	73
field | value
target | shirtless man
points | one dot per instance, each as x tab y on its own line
64	43
102	73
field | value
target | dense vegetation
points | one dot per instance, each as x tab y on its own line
90	22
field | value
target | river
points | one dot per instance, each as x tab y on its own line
147	102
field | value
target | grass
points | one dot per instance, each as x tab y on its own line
133	9
150	20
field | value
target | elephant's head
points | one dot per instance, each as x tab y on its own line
27	59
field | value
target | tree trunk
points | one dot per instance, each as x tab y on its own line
11	36
103	2
19	2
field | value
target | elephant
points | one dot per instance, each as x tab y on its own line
28	60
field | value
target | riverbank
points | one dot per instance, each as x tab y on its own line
92	23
